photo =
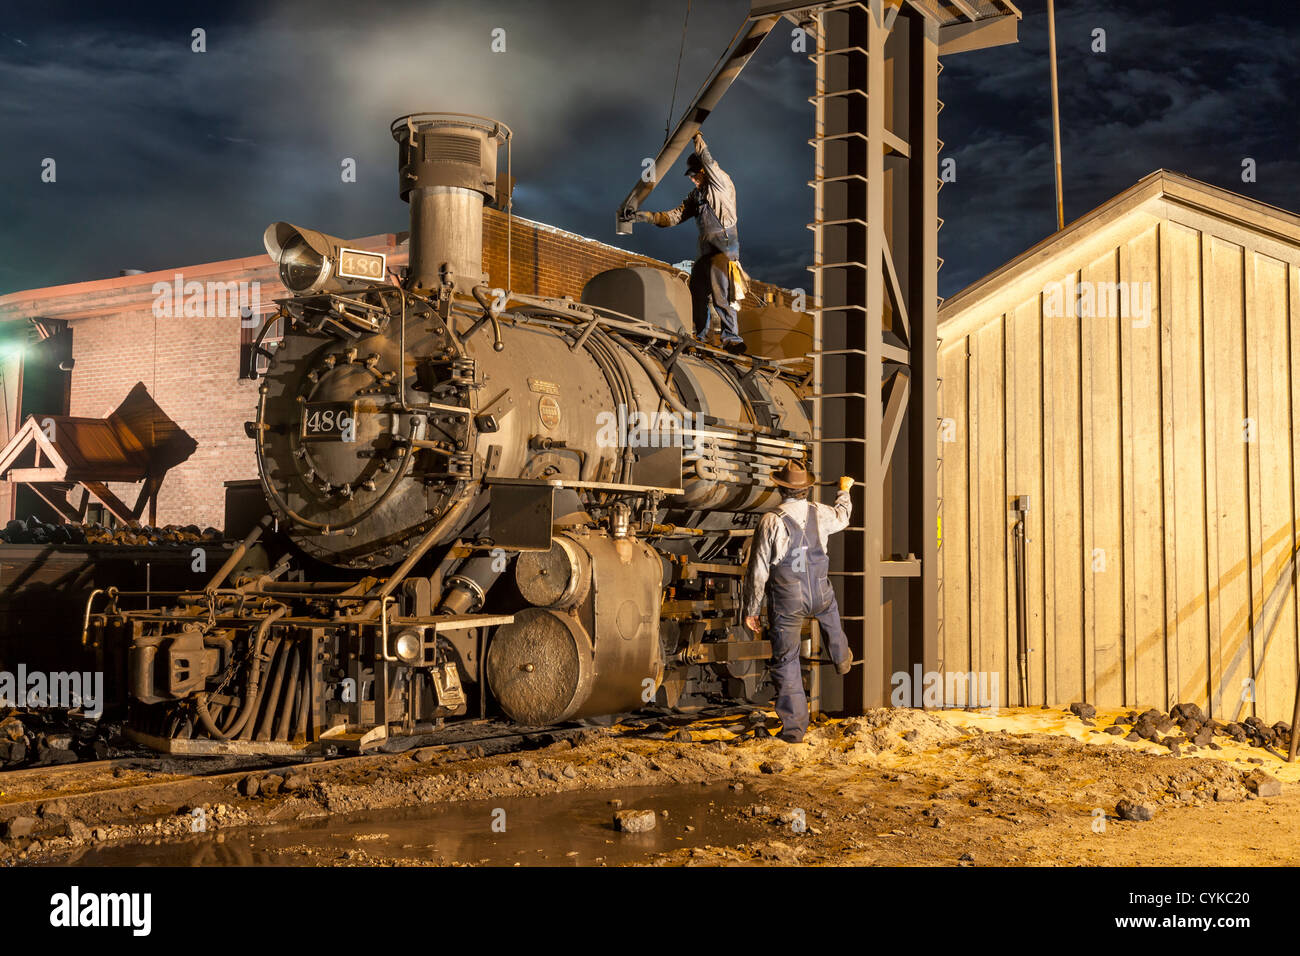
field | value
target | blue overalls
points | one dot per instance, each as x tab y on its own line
798	588
710	281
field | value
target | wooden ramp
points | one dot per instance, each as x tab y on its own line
137	443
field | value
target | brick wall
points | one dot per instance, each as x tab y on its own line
191	368
551	262
191	364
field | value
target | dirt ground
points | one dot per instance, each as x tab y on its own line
895	787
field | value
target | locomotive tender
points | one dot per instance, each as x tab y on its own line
493	502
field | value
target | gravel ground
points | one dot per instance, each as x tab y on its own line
898	787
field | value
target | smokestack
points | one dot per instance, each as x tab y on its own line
447	167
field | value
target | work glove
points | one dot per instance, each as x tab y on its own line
845	483
642	216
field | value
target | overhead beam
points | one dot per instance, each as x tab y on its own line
767	8
29	475
980	35
778	8
967	8
752	36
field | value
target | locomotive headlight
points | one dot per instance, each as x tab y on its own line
302	268
311	261
408	645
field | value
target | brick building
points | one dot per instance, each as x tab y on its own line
189	356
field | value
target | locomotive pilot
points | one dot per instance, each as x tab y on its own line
712	204
788	564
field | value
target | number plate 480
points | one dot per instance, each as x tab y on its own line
329	421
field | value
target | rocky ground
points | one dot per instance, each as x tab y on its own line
896	787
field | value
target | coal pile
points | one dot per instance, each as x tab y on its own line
1187	726
47	738
36	531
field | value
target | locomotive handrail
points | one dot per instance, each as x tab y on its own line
635	327
588	312
383	641
257	342
85	625
590	485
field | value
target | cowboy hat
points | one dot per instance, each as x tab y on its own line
792	474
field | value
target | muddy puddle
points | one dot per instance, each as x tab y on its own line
566	829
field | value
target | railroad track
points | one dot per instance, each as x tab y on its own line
170	779
106	791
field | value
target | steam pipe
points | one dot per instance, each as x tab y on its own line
280	730
755	29
254	675
653	374
431	537
263	731
238	554
205	717
300	712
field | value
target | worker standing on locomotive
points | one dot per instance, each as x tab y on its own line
712	204
788	563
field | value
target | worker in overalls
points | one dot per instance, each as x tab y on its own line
712	204
788	562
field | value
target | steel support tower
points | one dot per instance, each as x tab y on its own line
875	263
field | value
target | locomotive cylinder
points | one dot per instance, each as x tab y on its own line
595	648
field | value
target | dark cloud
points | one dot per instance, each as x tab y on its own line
1187	86
168	157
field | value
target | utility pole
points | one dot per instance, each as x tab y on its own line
1056	115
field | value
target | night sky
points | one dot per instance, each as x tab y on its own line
167	157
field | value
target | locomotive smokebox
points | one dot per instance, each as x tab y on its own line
447	167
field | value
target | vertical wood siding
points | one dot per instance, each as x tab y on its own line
1160	454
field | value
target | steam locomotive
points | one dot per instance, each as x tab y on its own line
487	503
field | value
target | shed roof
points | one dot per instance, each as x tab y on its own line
1162	194
949	12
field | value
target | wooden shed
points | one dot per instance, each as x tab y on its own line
1135	380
